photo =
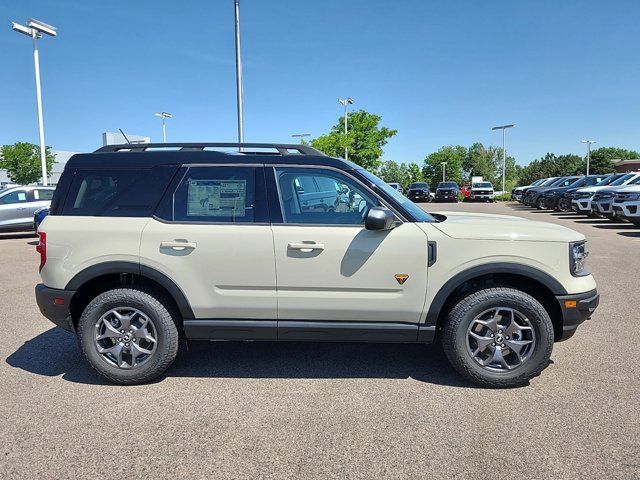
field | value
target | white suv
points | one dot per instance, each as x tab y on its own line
626	204
581	199
148	244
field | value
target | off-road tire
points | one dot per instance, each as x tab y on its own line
157	307
457	323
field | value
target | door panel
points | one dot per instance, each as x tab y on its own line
14	210
348	273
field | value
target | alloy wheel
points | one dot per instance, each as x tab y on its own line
125	337
500	339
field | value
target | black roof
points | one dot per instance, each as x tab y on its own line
152	154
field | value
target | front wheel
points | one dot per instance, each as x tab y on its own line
564	205
129	335
498	337
540	204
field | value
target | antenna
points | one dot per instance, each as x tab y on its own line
125	137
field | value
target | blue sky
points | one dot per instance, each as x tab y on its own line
440	72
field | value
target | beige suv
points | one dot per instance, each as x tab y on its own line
148	244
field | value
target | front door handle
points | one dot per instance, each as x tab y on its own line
176	245
306	247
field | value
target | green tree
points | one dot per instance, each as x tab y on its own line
480	162
453	155
390	172
414	174
22	162
365	139
600	161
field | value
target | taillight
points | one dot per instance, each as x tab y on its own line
41	248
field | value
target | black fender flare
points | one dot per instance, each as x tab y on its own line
100	269
454	282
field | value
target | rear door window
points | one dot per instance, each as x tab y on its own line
42	194
17	196
117	193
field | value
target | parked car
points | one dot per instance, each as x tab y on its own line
534	198
559	198
626	204
38	217
447	192
396	186
419	192
516	193
547	183
204	245
582	198
482	191
18	204
465	191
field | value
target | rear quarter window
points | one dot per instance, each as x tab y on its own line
117	192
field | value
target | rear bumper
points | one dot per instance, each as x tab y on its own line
55	305
573	316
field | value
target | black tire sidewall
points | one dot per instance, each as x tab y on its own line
456	336
163	321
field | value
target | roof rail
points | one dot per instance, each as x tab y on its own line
243	148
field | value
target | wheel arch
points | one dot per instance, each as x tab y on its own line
531	280
98	278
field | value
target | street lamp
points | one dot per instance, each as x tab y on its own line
163	116
239	74
301	136
444	166
588	142
504	154
35	29
345	103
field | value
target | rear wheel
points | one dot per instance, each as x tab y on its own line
564	205
498	337
129	335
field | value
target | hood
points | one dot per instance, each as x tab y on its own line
593	189
479	226
629	189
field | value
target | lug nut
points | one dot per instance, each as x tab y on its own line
493	344
130	331
121	331
119	339
126	344
499	331
507	338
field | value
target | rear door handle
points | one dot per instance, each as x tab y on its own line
175	245
306	247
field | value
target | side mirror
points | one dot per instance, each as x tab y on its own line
379	218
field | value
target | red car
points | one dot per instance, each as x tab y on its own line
465	190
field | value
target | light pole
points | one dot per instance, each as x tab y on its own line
163	116
588	142
444	166
345	103
35	29
239	74
504	154
301	136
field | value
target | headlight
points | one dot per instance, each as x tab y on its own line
633	196
577	258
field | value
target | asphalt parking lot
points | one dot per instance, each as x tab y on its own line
296	410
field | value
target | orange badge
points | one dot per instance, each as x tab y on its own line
401	278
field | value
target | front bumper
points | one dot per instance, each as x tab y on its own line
576	308
582	205
482	196
55	305
627	209
419	197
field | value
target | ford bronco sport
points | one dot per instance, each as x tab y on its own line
148	244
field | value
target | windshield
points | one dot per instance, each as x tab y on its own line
482	185
447	185
419	185
635	181
609	180
415	211
556	182
538	182
622	179
550	181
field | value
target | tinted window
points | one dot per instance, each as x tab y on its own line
17	196
419	185
395	196
42	194
117	193
482	185
447	185
335	200
621	180
213	195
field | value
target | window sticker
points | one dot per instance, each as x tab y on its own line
217	198
22	197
